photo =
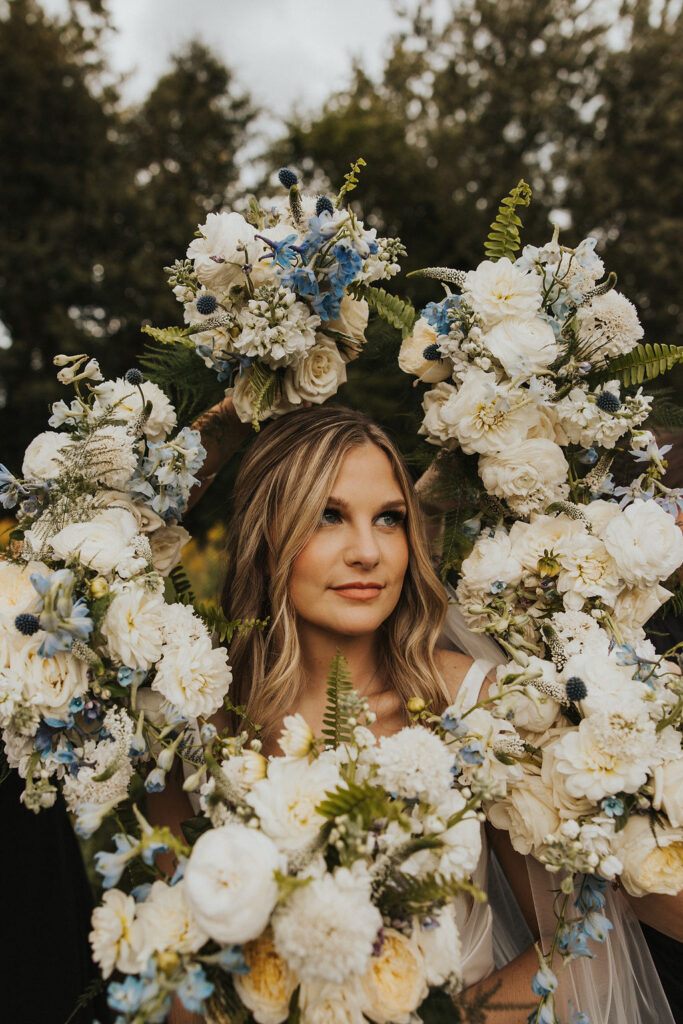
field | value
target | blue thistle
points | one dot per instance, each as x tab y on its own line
287	178
206	304
608	402
576	689
432	352
27	624
323	203
133	377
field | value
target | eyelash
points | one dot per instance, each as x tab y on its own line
396	516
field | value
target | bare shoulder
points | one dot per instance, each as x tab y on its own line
453	667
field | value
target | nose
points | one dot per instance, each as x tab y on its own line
362	548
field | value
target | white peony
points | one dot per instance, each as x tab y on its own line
101	543
543	533
412	360
117	939
645	543
217	255
122	402
528	812
326	929
317	376
194	677
166	544
41	459
608	326
414	763
133	626
287	799
522	346
230	883
588	570
529	475
168	921
499	290
652	860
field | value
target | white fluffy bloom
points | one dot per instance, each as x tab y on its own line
168	920
133	626
276	328
286	800
543	533
41	459
580	421
121	401
645	542
230	884
609	326
528	475
414	763
218	259
588	570
117	938
522	346
194	677
317	376
499	290
607	682
326	929
110	756
579	632
18	750
599	513
102	543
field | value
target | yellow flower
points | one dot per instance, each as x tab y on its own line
416	704
394	984
267	989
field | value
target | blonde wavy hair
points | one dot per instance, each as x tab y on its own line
280	494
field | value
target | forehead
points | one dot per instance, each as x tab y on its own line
366	471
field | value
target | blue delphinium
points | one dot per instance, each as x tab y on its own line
111	864
194	989
62	618
436	313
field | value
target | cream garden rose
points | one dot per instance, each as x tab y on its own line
645	543
101	543
317	376
395	982
42	457
352	320
268	987
287	799
166	544
49	683
652	860
528	812
412	360
217	254
522	346
528	475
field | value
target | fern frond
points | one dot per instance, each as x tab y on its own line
336	728
366	803
224	628
665	413
644	362
190	385
503	240
170	335
263	387
441	274
350	181
406	895
397	312
91	991
181	585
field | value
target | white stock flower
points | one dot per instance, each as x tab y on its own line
217	257
527	813
166	544
117	939
278	329
645	543
230	883
286	800
168	920
522	346
49	683
296	739
588	570
608	326
499	290
101	543
106	757
579	632
121	401
18	750
194	677
543	533
529	474
414	763
326	929
440	946
317	376
352	320
395	982
652	860
267	988
411	357
323	1002
41	459
133	626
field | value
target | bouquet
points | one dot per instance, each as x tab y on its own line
277	302
324	881
537	366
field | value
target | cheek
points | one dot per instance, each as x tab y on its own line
308	571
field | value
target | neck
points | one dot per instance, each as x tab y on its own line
318	648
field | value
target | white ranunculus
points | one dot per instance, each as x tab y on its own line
588	570
317	376
411	358
166	544
529	474
194	677
230	884
652	861
217	258
101	542
41	459
530	541
499	290
49	683
669	791
635	605
327	1003
599	513
609	325
492	560
645	543
117	939
168	920
133	626
440	946
287	799
528	812
267	988
122	402
352	320
395	982
522	346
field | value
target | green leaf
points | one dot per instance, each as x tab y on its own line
503	240
287	884
350	181
644	362
181	374
336	728
400	314
193	828
181	585
405	895
263	389
170	335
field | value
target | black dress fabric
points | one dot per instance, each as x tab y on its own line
46	907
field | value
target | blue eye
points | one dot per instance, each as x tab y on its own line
392	518
329	516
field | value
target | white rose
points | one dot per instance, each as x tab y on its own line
194	677
669	791
327	1003
133	627
498	290
268	987
542	533
230	884
599	513
49	683
522	346
652	862
166	544
440	946
437	427
492	560
412	360
122	402
395	982
634	606
287	799
167	918
101	543
529	474
645	542
528	812
117	939
352	320
218	260
41	459
317	376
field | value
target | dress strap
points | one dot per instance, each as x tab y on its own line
470	687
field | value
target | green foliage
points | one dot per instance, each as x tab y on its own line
214	618
170	335
366	803
665	413
398	313
336	728
181	585
90	992
263	387
406	895
193	828
503	239
644	362
287	884
190	385
350	181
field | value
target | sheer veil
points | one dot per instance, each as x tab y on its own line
619	985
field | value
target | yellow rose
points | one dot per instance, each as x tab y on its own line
652	862
411	357
394	984
267	989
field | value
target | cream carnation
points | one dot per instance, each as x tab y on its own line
194	677
268	987
395	982
645	543
133	626
101	543
230	883
41	459
411	358
499	290
522	346
414	763
529	475
317	376
168	920
287	799
652	861
117	939
609	326
122	402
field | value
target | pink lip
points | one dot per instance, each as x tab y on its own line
359	591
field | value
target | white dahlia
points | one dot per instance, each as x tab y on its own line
499	290
287	799
133	626
194	677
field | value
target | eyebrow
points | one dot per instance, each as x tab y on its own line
340	503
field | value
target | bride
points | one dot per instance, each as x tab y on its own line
327	541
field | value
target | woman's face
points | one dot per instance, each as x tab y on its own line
348	578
